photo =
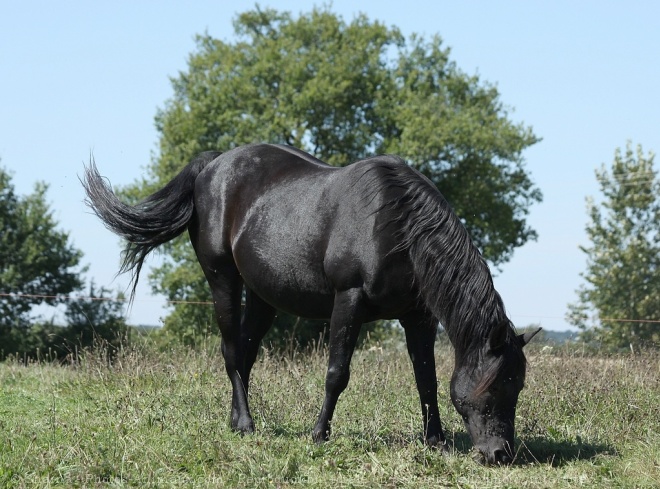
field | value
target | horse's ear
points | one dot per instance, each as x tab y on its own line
498	334
527	337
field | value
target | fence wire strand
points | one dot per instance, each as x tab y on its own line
210	303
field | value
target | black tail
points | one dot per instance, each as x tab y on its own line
158	219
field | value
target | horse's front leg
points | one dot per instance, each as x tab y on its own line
420	340
345	323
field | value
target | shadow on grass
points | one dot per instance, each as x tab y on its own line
540	450
281	431
358	439
559	452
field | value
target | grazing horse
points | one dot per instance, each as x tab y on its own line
373	240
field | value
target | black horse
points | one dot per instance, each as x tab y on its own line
374	240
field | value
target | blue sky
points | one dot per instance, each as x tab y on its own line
79	77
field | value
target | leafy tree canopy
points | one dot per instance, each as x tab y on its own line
623	259
344	91
39	265
37	261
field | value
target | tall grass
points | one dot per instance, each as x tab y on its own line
160	419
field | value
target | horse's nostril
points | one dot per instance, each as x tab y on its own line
502	457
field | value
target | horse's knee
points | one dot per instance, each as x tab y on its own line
337	379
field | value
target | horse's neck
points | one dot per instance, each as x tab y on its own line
472	319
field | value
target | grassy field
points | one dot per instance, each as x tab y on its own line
161	420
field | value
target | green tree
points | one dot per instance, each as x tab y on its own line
621	297
343	91
38	264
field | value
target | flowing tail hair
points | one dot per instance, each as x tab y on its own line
159	218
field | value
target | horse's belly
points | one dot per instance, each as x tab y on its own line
294	283
290	294
288	279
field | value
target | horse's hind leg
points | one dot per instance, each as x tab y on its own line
347	317
257	319
226	287
420	340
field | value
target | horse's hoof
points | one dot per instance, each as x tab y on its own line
243	427
437	443
320	436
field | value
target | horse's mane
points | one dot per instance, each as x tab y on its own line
453	279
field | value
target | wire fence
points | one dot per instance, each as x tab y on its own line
210	303
89	298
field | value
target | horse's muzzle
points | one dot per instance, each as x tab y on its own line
499	453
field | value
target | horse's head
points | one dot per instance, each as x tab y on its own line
485	388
